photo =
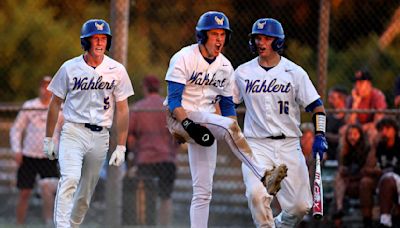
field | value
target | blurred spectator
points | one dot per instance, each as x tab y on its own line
397	93
337	97
26	139
353	178
388	156
153	146
365	96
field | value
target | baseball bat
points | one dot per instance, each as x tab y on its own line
318	199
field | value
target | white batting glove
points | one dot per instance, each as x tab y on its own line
48	148
118	156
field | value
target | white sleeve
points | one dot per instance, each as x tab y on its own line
228	90
237	96
177	69
59	84
307	92
124	88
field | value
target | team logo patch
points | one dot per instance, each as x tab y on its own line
99	26
260	25
219	21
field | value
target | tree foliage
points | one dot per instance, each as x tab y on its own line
39	35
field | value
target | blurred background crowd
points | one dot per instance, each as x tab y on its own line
349	48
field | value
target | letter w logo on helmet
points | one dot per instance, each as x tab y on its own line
219	21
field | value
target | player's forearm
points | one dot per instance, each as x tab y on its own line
52	115
122	121
180	114
319	109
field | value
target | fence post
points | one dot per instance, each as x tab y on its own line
323	45
119	26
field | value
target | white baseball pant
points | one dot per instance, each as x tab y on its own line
202	160
295	196
81	156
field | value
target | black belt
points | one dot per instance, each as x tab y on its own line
277	137
93	127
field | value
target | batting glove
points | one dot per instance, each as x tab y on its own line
48	148
118	156
320	145
200	134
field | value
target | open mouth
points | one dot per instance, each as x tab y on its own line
218	47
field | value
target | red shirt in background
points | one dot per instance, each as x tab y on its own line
147	124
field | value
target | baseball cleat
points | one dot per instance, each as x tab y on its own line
273	178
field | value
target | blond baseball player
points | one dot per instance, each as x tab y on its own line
274	89
92	86
200	76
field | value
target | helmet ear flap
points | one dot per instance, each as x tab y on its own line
277	44
108	43
201	37
252	45
85	44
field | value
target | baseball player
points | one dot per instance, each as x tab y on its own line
199	77
274	89
91	86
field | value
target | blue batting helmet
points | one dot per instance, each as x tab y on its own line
212	20
93	27
268	27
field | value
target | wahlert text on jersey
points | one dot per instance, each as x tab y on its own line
257	86
198	80
85	84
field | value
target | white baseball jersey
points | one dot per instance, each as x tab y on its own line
203	81
107	83
273	98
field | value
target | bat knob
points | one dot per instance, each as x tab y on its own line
317	216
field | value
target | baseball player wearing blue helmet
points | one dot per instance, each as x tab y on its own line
200	80
275	90
94	89
93	27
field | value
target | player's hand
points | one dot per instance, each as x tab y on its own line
48	148
319	146
118	156
200	134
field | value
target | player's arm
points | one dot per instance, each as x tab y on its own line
200	134
227	107
52	114
122	126
51	121
122	121
320	144
175	91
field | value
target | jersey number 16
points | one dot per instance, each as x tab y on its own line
283	107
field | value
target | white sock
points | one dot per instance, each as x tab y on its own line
386	219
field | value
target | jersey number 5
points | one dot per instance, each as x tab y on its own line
283	107
106	103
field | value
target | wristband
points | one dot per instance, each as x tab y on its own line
319	120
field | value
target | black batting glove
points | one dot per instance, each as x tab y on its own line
200	134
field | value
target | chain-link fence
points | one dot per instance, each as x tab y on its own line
39	35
